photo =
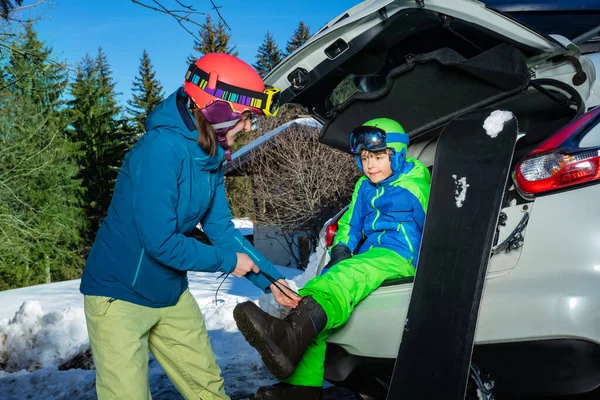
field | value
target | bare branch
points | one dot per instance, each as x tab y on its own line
177	14
173	14
14	82
10	17
184	6
17	9
188	31
25	54
188	13
299	183
219	13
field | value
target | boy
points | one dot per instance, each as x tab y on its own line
387	210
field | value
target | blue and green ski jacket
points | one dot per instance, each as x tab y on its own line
388	214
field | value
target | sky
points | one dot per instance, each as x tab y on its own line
124	29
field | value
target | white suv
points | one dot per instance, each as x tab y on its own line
423	63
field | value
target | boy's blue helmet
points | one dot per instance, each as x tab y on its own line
395	139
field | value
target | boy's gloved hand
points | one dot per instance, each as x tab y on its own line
339	252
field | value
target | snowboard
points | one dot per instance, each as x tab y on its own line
471	167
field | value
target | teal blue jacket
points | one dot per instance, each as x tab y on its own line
166	185
389	214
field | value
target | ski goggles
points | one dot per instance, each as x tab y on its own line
267	101
372	138
223	117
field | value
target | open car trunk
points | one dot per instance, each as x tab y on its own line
428	90
420	66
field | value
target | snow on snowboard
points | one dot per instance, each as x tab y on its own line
471	167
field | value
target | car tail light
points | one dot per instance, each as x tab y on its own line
330	234
332	228
559	162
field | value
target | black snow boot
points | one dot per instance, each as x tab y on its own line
285	391
281	342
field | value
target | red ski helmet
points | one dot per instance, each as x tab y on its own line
223	77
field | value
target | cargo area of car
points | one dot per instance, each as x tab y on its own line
423	68
542	108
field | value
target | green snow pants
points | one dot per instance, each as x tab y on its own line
121	333
338	291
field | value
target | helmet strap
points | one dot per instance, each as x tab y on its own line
222	140
359	163
221	130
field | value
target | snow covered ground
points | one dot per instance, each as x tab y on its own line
43	326
245	225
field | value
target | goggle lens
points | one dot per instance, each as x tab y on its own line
274	105
368	138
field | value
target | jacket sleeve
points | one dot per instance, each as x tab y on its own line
420	187
419	214
350	226
155	195
219	228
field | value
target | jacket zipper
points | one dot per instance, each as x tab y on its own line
377	195
379	237
137	271
248	250
401	226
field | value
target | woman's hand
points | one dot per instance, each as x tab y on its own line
291	301
244	265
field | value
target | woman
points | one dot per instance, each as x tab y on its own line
135	278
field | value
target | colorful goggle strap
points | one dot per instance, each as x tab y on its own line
226	91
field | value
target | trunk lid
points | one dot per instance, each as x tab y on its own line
421	65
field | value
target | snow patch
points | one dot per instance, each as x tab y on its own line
266	301
33	340
494	124
460	190
244	225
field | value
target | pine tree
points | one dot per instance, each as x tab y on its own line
6	7
268	56
41	219
98	129
108	96
40	215
147	94
212	40
34	73
300	36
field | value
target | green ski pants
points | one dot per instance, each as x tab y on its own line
338	291
121	333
